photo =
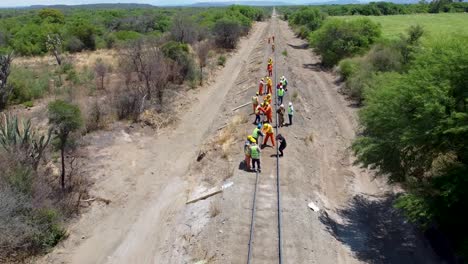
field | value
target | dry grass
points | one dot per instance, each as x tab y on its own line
230	134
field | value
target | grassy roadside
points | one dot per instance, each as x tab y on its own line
436	25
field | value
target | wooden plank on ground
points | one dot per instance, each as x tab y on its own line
205	195
246	104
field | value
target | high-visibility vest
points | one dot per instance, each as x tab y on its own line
281	92
254	152
257	110
290	110
255	132
254	100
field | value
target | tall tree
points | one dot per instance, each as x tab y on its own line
65	119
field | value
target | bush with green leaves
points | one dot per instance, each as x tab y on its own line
65	119
415	129
227	32
338	39
306	19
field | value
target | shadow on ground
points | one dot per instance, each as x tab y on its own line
302	46
377	233
318	67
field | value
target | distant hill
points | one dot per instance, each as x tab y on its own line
249	3
91	6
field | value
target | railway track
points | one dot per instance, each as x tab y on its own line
277	178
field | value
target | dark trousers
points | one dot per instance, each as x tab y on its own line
280	99
257	119
281	148
290	119
255	161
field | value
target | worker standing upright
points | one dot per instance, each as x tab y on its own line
247	144
260	86
270	69
280	113
258	112
284	82
268	131
269	86
280	94
273	38
290	113
255	155
254	102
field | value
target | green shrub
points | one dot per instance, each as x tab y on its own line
347	68
221	60
28	104
28	84
49	230
227	32
309	17
338	39
124	36
415	131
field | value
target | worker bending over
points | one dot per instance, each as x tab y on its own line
280	113
268	111
257	132
282	144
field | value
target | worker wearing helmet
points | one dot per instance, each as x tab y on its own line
270	69
254	102
281	110
257	132
280	94
284	82
255	155
269	86
268	131
249	141
268	111
290	113
258	113
270	61
260	86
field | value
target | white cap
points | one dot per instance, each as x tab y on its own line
282	105
290	103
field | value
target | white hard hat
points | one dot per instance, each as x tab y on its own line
282	105
290	103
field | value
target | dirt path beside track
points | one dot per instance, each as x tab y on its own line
148	179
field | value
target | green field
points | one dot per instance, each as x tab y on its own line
437	25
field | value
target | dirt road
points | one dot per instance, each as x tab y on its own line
148	178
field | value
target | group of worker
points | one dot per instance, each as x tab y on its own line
263	127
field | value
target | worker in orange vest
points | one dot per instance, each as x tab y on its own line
268	131
269	86
267	99
268	112
270	69
260	86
